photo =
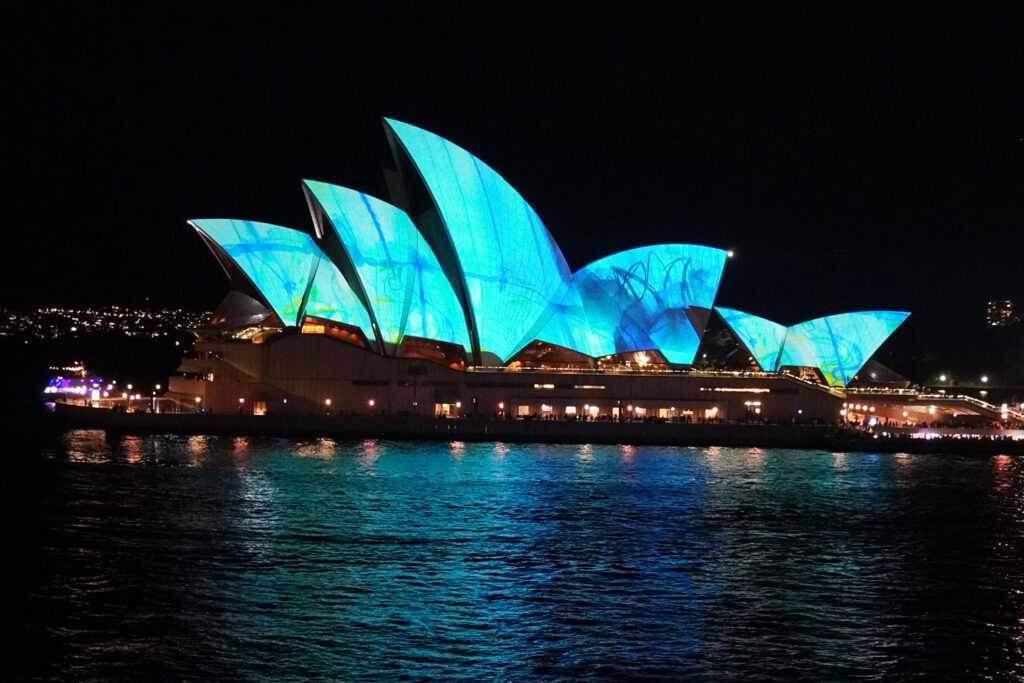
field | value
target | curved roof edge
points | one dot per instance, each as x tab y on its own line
647	247
288	269
400	277
279	262
839	345
569	326
330	244
762	338
512	274
651	297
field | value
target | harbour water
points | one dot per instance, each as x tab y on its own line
190	557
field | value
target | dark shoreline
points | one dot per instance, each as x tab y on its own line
817	437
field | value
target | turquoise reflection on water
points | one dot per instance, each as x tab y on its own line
266	558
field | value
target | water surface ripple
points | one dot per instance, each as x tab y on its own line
259	559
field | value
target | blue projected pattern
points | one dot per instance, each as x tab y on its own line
277	260
332	298
839	345
569	326
486	273
651	298
762	337
407	290
514	273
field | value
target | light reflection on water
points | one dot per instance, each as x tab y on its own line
209	557
321	449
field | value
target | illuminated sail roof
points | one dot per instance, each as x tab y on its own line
761	336
511	271
278	261
839	345
332	298
289	270
656	297
569	325
408	292
471	263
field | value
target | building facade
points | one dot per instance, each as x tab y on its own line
453	298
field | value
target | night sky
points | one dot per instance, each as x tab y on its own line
852	159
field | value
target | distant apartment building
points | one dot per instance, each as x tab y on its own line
999	313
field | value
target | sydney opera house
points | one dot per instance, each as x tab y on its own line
453	298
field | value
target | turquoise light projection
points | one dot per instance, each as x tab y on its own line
569	326
839	345
513	271
280	262
332	298
407	290
762	337
655	297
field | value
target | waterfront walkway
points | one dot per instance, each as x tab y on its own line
545	431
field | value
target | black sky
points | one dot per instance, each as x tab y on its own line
852	158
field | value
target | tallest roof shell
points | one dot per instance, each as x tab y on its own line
511	273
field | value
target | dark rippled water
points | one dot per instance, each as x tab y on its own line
217	558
